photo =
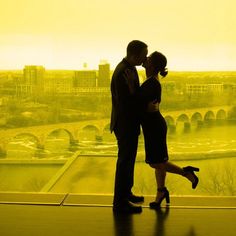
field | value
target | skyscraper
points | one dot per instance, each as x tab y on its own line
104	74
34	79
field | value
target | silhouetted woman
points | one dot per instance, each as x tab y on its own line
155	129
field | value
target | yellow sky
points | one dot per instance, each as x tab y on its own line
62	34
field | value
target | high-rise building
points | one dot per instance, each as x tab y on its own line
34	79
104	74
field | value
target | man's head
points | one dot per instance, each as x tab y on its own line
137	52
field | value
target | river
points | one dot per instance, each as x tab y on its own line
211	141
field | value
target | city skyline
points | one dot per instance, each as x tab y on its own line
195	36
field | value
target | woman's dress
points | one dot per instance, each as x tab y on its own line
153	123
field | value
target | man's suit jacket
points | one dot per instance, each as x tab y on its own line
124	116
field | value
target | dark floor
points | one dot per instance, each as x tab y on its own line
84	219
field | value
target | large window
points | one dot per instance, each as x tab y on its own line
56	63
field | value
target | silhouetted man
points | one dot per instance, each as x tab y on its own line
126	125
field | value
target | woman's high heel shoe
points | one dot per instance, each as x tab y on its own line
190	170
157	205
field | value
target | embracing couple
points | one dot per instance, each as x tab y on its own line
134	105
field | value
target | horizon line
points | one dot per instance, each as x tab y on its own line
90	69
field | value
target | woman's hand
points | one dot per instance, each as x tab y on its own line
153	106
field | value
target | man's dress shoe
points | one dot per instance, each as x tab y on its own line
136	199
127	208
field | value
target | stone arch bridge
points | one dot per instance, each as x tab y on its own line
173	118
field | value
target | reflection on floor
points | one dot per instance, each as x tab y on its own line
62	214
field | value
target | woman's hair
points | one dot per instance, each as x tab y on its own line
159	62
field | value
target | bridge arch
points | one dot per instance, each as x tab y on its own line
37	141
221	115
182	123
196	117
89	133
170	120
28	142
71	138
182	118
90	127
209	116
